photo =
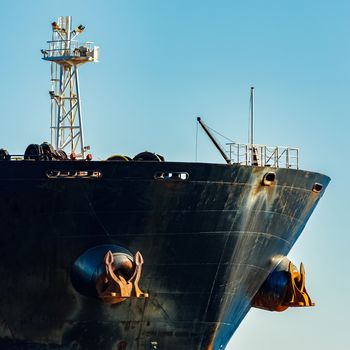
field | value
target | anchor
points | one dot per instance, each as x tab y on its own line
115	287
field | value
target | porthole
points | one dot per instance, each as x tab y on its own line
171	176
73	174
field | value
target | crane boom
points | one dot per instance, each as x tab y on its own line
213	140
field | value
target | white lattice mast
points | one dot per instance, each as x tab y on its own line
66	55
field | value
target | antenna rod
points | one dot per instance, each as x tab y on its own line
213	140
252	116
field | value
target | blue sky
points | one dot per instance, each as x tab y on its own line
162	64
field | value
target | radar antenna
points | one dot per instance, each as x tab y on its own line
66	55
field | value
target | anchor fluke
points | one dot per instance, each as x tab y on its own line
283	288
108	272
115	286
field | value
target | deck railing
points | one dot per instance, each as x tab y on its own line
261	155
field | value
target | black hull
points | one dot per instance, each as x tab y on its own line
208	243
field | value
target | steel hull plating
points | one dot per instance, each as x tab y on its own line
208	244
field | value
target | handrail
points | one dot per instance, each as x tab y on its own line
262	155
71	48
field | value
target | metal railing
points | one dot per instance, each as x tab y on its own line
71	49
261	155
